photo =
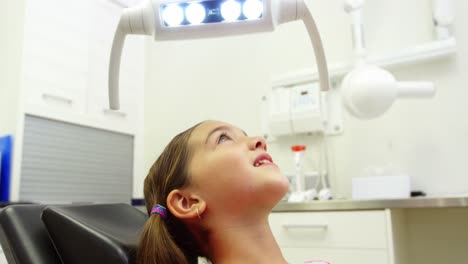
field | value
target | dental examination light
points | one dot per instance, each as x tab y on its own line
369	91
179	20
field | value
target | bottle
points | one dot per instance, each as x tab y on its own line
299	151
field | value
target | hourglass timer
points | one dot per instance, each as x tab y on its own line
299	151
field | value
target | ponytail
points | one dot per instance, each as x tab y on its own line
167	241
157	245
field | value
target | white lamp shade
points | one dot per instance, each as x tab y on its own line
369	91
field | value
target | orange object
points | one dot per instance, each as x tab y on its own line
297	148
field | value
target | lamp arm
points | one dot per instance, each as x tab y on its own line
415	89
114	67
137	21
314	35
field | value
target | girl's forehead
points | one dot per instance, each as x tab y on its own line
201	132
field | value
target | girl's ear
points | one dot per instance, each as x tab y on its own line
183	204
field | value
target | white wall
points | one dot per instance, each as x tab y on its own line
11	39
187	82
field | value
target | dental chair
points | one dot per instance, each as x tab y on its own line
40	234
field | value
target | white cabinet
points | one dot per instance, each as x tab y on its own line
65	64
336	255
64	68
347	237
55	64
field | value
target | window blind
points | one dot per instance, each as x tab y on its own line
68	163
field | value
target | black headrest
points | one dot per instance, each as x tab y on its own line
23	236
106	233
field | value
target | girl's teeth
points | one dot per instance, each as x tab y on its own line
261	162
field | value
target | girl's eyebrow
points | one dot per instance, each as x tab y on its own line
221	128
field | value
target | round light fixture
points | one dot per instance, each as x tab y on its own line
195	13
173	15
231	10
252	9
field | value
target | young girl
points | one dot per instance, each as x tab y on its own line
209	194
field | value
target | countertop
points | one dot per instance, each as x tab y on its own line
350	205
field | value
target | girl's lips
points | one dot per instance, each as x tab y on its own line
260	160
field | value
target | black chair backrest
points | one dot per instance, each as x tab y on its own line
106	233
23	236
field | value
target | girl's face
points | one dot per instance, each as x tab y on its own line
230	170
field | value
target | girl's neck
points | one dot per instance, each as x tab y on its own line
244	243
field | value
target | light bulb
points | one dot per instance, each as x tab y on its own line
173	15
252	9
195	13
231	10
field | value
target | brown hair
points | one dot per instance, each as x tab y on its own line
170	241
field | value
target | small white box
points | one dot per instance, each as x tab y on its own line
381	187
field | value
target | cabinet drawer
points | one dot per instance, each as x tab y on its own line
54	98
362	229
125	118
336	256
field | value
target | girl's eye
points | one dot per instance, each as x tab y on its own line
223	137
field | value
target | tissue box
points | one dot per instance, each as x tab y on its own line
381	187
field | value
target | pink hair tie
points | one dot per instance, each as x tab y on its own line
160	210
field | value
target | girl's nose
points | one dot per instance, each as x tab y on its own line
257	142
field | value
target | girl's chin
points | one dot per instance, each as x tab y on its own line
282	184
277	190
284	188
